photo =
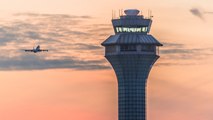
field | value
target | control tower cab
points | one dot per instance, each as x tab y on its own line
131	35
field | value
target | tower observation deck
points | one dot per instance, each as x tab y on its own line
132	51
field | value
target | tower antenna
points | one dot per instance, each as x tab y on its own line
151	16
148	14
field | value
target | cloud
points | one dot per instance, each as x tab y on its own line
52	15
72	42
173	64
167	44
176	51
179	54
6	36
33	35
48	28
83	46
67	37
34	62
197	12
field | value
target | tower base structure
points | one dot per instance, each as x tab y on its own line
132	72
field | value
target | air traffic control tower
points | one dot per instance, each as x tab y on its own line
132	51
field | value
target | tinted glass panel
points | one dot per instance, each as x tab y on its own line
131	29
128	47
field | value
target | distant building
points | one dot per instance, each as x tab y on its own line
132	53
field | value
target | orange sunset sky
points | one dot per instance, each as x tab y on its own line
73	81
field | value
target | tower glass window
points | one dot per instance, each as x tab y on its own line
148	48
128	48
111	49
131	29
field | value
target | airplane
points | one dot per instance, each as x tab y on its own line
37	49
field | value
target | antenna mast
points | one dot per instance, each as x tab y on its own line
112	14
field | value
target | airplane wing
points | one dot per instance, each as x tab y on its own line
28	50
43	50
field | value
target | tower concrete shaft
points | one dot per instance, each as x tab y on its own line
132	53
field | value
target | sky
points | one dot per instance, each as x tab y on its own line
73	81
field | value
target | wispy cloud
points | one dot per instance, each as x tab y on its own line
73	43
83	46
199	12
36	62
176	45
179	54
52	15
60	33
